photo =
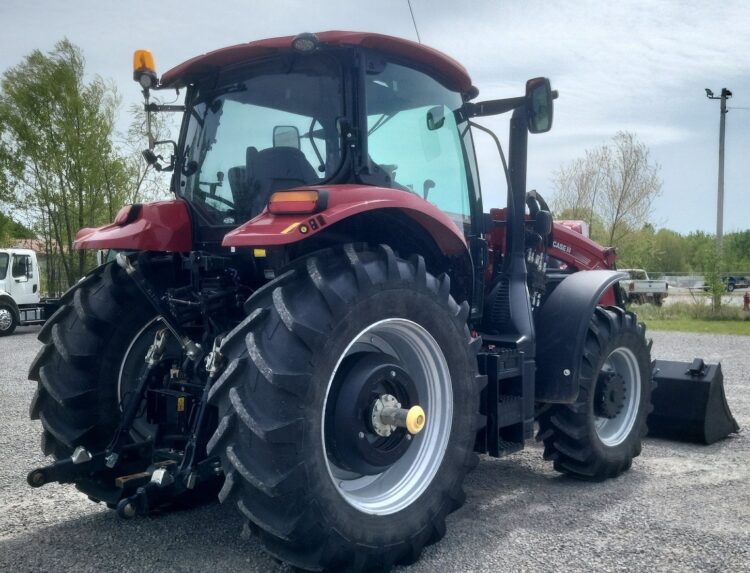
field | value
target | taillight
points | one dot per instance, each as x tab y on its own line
631	286
297	202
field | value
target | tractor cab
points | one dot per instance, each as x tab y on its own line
324	110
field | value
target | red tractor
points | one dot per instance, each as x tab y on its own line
324	326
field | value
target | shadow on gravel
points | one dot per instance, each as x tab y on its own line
185	540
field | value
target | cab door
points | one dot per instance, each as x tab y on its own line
24	286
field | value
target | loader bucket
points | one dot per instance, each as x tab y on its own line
689	403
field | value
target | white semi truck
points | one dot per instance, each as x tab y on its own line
20	298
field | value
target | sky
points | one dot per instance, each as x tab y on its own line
640	66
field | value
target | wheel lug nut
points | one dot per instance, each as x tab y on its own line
392	374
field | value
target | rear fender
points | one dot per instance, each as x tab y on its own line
159	226
345	201
561	327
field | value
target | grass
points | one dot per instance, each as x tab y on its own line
695	317
703	326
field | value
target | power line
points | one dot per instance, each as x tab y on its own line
414	21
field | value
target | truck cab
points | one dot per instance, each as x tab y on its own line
20	299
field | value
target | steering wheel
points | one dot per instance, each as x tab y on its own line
204	195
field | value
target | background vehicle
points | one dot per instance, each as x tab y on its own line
326	325
732	283
639	288
20	301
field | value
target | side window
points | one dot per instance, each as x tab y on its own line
414	139
20	265
428	162
3	265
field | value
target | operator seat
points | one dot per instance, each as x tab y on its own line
275	169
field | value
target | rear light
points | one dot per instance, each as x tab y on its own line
631	286
127	214
297	202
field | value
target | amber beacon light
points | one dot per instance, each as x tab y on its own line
144	68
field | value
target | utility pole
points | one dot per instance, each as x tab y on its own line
725	94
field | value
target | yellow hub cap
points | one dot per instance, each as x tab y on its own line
415	420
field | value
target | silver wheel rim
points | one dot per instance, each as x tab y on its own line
614	431
6	319
403	482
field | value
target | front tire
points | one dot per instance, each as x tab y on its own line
598	435
297	451
8	320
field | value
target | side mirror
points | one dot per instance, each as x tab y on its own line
539	108
156	160
286	136
29	268
435	117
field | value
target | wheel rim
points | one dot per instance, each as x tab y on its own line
613	431
6	319
404	481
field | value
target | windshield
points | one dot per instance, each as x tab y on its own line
414	140
3	265
274	130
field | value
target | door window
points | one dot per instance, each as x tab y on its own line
413	137
20	265
4	258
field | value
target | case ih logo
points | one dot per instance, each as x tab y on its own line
564	248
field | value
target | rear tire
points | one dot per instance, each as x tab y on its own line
8	320
77	368
598	435
274	435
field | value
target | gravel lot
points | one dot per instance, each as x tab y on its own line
680	508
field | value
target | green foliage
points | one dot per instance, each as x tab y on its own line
57	155
11	231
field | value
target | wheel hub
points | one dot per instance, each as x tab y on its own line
379	425
5	319
609	398
364	438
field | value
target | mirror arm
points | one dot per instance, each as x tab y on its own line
151	107
489	107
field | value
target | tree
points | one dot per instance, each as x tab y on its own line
146	183
615	183
57	153
12	231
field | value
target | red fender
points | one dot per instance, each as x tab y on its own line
159	226
344	201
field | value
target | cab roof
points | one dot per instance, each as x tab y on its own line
452	73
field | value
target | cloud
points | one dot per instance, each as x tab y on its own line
633	65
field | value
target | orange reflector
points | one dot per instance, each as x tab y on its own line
292	202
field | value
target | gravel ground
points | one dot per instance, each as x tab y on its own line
682	507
